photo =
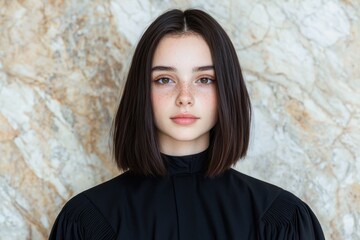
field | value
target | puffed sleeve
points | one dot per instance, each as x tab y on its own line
289	218
79	219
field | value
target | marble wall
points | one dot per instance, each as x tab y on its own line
61	68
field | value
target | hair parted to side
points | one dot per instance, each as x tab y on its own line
135	144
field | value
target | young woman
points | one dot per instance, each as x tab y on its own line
183	121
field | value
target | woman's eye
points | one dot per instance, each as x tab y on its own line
205	80
163	80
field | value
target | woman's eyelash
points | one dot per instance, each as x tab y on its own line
201	80
161	80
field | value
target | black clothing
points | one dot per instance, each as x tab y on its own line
186	205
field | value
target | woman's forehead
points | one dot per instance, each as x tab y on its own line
186	50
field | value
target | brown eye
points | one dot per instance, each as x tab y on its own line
205	80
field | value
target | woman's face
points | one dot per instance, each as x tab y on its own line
183	93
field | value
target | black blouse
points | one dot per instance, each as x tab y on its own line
186	205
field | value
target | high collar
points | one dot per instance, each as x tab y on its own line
186	164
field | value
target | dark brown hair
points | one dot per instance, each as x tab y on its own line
135	144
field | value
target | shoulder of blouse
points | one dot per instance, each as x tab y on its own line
288	217
80	219
282	215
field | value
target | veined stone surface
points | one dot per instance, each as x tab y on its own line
62	68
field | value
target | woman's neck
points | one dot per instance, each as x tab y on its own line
182	148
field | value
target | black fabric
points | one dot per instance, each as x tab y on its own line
186	205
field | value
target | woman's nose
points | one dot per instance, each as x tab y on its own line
185	97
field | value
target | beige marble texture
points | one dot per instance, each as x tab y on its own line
62	64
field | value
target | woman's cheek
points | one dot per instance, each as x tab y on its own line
159	98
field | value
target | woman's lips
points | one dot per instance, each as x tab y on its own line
184	119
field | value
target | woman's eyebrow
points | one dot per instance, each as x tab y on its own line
173	69
163	68
203	68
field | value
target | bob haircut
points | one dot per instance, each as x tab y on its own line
134	135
